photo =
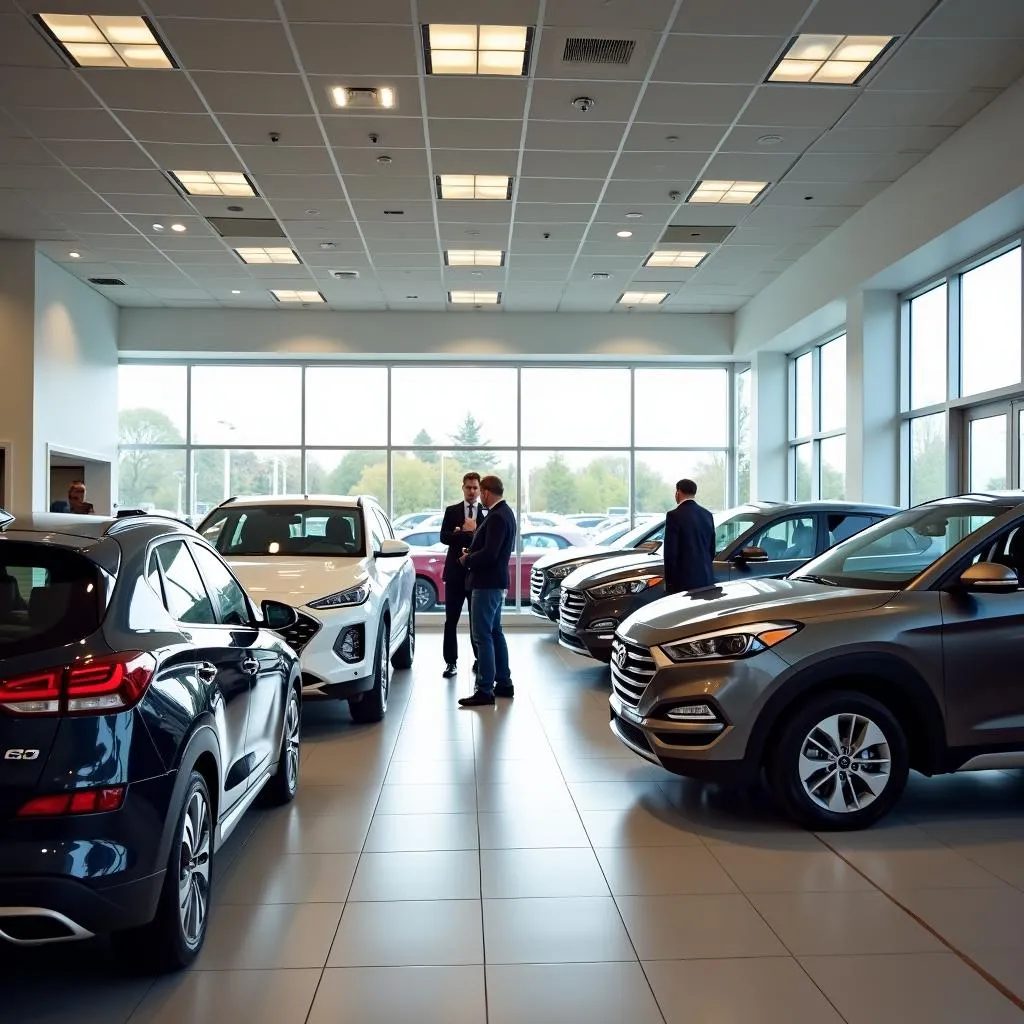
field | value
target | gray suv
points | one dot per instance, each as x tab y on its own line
899	648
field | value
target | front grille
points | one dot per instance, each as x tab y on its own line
572	641
301	633
570	609
536	584
632	669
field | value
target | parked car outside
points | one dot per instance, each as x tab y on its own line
413	519
753	540
534	543
144	705
898	649
420	538
337	561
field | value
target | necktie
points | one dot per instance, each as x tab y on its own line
471	509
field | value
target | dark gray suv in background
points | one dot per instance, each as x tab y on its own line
760	539
899	648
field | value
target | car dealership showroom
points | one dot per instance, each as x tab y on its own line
511	511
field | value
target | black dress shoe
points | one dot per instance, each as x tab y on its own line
504	689
451	669
477	700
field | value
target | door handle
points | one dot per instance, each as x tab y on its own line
250	665
207	673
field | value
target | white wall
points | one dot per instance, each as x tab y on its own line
468	335
75	408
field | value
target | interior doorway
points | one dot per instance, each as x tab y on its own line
993	446
65	467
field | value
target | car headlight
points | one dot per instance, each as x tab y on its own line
731	643
342	599
559	572
625	588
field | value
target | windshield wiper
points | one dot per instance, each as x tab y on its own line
824	580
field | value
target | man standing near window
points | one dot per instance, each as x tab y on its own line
487	563
689	542
458	528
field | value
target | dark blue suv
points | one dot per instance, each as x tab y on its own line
144	706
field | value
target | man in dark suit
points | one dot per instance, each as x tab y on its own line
457	531
689	547
487	562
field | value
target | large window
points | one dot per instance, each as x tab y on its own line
817	422
990	325
574	445
744	444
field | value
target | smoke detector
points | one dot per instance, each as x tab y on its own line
584	103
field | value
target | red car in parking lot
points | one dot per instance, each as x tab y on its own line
535	543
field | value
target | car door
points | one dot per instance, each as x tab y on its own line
983	640
264	664
227	682
392	572
789	541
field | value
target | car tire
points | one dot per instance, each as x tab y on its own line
424	595
173	939
372	706
404	655
282	786
844	784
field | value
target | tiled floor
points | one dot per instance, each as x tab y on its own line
517	865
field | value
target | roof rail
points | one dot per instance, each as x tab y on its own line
128	513
6	518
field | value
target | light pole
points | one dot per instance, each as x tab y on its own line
227	461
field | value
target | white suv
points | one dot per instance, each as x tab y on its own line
337	561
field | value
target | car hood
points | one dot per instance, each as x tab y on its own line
617	566
297	581
741	603
574	553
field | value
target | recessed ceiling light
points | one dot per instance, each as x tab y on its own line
360	98
267	254
738	192
327	245
633	215
291	295
75	255
477	49
474	186
178	227
213	183
624	234
158	227
674	258
769	140
474	257
642	298
236	291
829	60
474	298
600	275
98	41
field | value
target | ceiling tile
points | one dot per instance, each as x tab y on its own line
386	186
83	123
798	106
966	19
881	140
392	132
745	139
950	64
452	133
256	129
171	156
150	182
502	98
405	163
28	152
371	211
667	167
869	17
652	14
565	135
613	101
313	187
559	190
48	179
380	12
192	129
168	91
877	109
381	50
674	138
542	164
754	17
234	93
263	10
21	45
210	45
825	193
277	159
748	166
475	161
323	210
46	87
824	167
741	60
712	104
548	64
552	213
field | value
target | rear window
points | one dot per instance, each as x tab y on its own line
286	530
49	597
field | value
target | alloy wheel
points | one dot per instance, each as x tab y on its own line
194	869
845	763
424	596
385	670
291	740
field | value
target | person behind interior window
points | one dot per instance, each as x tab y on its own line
76	499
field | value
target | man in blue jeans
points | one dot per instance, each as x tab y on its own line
486	561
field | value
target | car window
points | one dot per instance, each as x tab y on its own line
423	540
842	525
153	576
383	523
540	542
285	530
185	593
792	537
377	533
729	531
1006	549
229	599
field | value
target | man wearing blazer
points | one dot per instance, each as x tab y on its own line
458	528
689	547
487	563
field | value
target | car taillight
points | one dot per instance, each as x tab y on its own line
81	801
89	686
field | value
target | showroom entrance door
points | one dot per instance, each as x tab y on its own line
993	439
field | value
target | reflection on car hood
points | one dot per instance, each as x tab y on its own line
734	604
570	554
617	567
297	581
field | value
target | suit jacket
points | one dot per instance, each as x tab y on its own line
689	548
456	539
491	549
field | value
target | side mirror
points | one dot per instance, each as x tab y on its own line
751	555
392	549
650	545
278	615
989	578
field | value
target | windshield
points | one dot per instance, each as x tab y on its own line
894	552
732	524
289	530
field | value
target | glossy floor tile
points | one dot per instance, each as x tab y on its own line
517	865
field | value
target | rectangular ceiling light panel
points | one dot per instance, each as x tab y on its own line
359	98
829	60
267	254
739	192
213	183
474	298
99	41
674	258
474	257
477	49
290	295
642	298
474	186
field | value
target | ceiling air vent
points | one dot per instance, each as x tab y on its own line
345	275
110	281
579	50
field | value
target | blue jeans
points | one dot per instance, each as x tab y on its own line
491	649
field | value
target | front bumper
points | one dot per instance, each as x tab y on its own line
323	667
587	626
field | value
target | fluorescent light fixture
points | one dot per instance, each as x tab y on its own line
359	98
829	60
99	41
642	298
179	228
474	186
674	258
236	291
623	234
291	295
477	49
474	257
475	298
75	255
739	192
267	254
213	183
